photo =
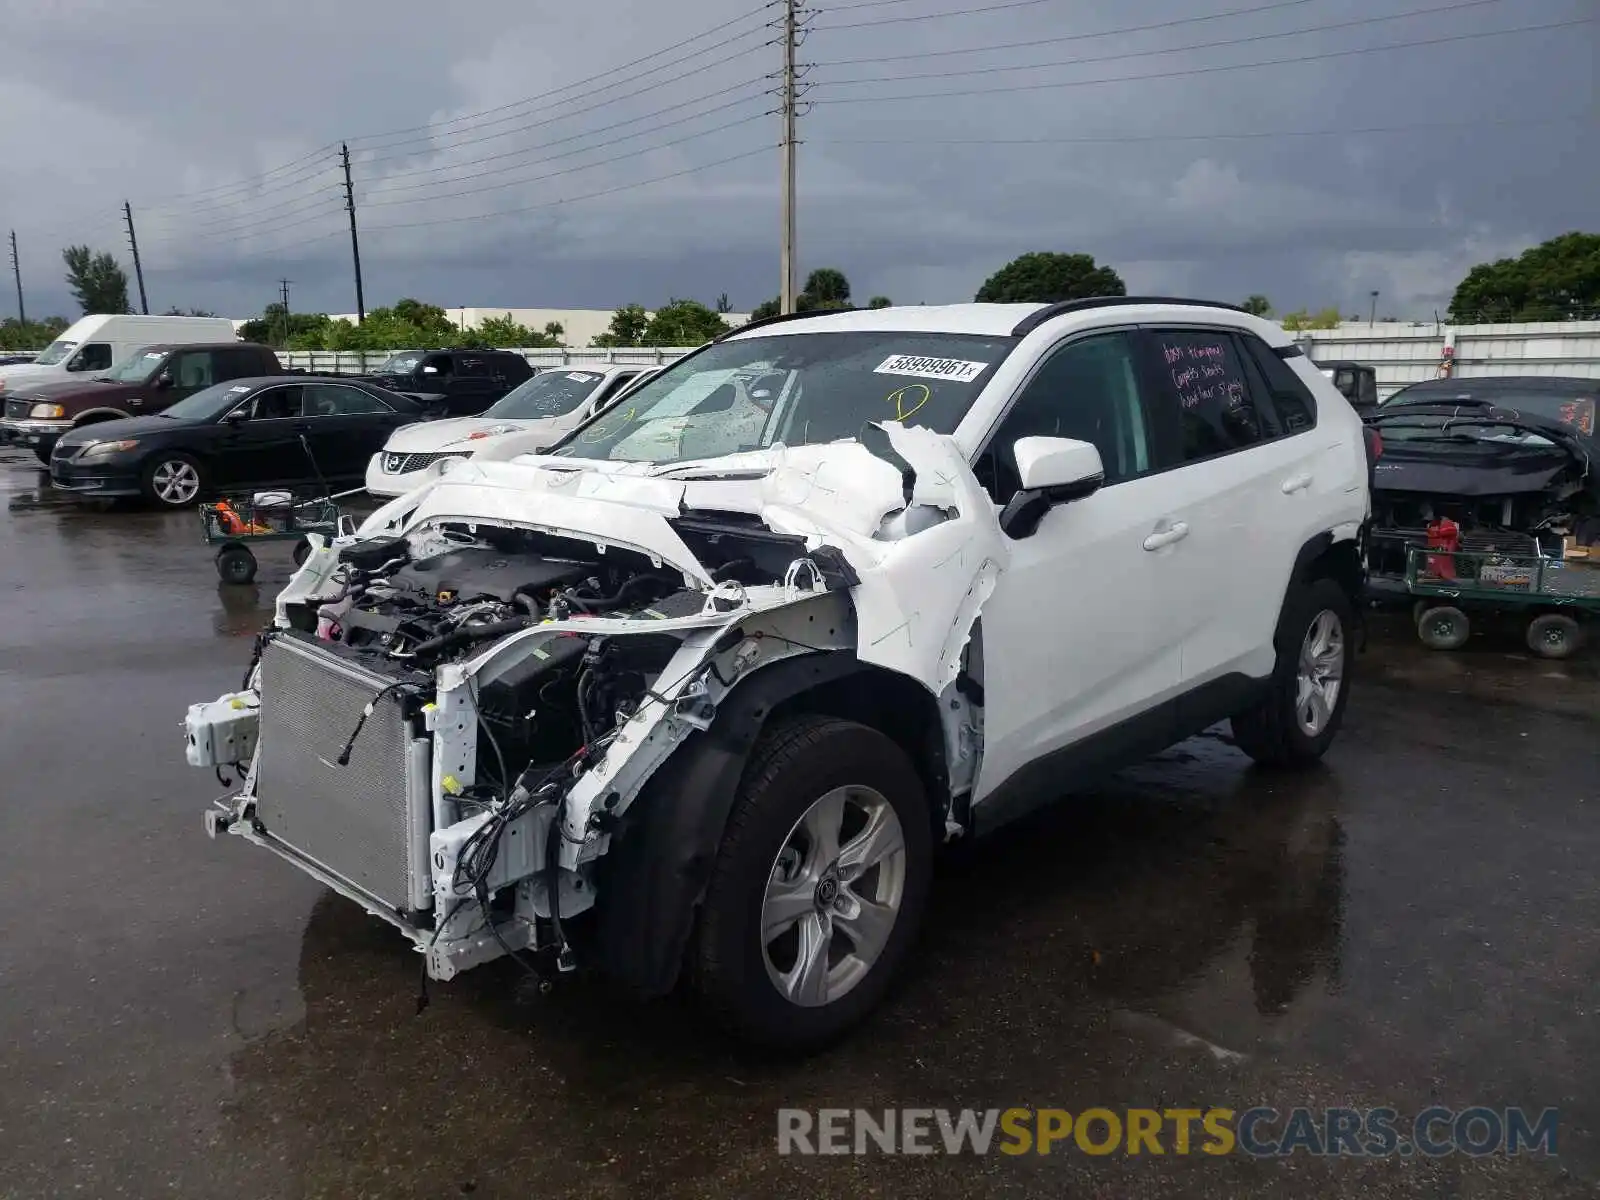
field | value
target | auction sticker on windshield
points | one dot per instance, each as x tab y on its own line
958	369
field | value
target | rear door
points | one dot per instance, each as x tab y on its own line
1241	489
345	427
473	387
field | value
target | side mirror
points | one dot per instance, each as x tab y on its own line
720	400
165	380
238	416
430	370
77	364
1053	471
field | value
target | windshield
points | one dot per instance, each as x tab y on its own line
209	404
550	394
54	353
792	390
137	367
401	364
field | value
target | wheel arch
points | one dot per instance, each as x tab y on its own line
96	415
652	879
1325	556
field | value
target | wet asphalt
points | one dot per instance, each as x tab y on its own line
1418	922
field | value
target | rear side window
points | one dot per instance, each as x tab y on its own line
1291	398
1203	378
338	400
472	368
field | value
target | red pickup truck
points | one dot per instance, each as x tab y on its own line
148	381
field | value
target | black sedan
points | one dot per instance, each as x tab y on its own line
275	431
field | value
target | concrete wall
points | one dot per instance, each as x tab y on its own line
1405	354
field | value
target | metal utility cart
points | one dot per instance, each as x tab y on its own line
1554	596
234	523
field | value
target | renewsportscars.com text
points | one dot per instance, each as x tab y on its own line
1259	1132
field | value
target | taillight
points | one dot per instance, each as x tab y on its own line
1374	443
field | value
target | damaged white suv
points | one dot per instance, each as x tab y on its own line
693	695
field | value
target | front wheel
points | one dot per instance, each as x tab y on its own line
172	479
1295	722
818	887
1555	635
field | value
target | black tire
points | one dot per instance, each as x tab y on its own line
176	461
1555	635
1271	732
235	564
302	551
791	767
1444	627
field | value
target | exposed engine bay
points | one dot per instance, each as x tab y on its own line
449	718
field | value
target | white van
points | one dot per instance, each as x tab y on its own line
92	344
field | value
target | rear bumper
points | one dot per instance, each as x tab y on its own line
25	432
99	479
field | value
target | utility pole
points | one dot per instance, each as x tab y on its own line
283	292
791	32
1372	315
138	269
355	242
16	273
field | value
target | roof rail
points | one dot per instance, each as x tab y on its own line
1033	320
764	321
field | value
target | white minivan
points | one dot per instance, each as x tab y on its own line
93	343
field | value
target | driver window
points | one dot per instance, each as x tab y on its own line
436	364
276	404
96	356
1086	390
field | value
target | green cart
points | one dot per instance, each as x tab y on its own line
1555	597
234	523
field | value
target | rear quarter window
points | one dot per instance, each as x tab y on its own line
1286	392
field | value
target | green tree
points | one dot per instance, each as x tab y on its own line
767	308
628	325
556	332
683	323
724	305
501	333
826	287
187	312
1327	318
1044	278
30	335
1553	281
97	282
1258	306
880	302
297	331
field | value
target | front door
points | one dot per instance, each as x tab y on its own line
1080	657
265	447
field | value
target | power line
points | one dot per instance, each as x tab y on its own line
492	187
1455	6
1117	139
1080	37
1192	71
510	212
1010	4
592	78
332	147
367	162
473	162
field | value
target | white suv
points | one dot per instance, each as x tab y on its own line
695	693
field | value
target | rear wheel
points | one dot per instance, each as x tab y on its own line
172	479
1444	627
235	564
818	887
1555	635
1295	723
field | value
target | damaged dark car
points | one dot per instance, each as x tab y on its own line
1502	465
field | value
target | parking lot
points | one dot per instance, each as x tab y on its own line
1418	922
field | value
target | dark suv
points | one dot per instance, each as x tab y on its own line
467	381
148	381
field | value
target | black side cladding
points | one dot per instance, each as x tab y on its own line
662	849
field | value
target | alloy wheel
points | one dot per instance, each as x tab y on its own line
1321	673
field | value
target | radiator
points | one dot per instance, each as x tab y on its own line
367	822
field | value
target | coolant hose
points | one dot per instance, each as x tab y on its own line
468	634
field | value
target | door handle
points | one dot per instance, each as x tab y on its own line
303	427
1296	483
1175	532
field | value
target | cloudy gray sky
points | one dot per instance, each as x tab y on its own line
506	160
